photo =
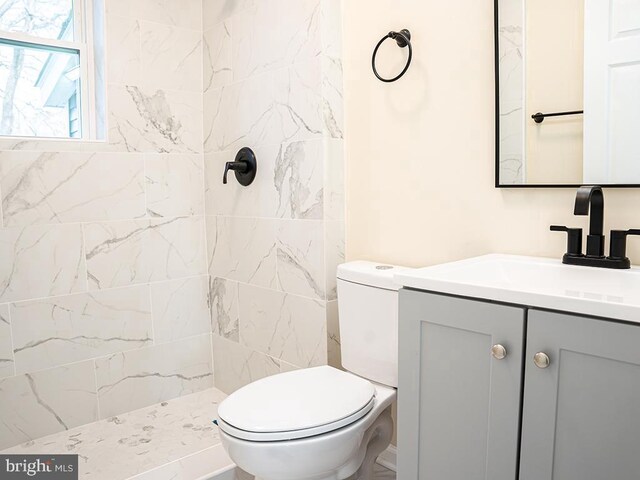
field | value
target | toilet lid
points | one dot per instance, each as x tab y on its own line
296	404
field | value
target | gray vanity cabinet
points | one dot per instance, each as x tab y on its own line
581	414
458	404
461	415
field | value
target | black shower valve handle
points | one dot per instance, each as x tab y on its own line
574	239
236	166
245	166
618	247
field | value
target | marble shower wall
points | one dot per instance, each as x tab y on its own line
273	82
103	271
512	134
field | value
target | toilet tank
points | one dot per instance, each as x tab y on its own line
368	316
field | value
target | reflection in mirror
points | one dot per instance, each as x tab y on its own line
556	60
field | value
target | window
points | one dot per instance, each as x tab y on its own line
47	69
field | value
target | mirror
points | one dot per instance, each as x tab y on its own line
568	93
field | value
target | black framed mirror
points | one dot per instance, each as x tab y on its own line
567	78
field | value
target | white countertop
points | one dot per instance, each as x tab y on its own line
535	282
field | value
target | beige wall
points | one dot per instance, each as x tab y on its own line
420	153
554	69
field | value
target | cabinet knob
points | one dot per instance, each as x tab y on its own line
498	352
541	360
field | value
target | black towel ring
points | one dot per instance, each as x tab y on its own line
403	39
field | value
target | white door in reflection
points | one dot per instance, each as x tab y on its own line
612	92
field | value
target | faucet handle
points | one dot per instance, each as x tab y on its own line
574	239
618	248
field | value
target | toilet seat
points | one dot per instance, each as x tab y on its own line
296	405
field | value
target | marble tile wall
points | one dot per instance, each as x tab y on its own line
104	285
512	135
273	82
129	274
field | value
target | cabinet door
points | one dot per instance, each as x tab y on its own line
459	407
581	417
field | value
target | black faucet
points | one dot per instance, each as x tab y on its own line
591	200
594	198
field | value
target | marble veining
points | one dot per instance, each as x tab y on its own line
123	44
140	251
41	261
298	180
180	308
6	345
332	97
284	326
142	377
334	254
146	440
273	34
174	185
243	249
48	401
511	61
185	14
218	70
236	365
334	353
155	120
171	57
56	188
242	114
298	100
67	329
301	257
223	304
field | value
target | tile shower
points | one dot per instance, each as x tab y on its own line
273	247
130	275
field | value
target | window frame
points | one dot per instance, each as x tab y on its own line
83	46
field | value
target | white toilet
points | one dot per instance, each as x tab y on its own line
322	423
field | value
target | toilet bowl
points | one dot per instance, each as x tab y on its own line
304	454
322	423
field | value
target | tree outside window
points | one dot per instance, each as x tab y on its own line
45	74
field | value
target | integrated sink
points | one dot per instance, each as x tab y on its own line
537	282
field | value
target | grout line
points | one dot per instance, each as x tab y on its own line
145	186
108	289
83	259
246	284
154	22
13	355
107	355
213	372
95	376
144	218
153	317
1	208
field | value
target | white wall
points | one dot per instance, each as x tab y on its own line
420	153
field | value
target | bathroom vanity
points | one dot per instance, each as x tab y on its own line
516	367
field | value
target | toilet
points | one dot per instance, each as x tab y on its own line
322	423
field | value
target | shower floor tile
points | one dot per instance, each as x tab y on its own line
169	440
